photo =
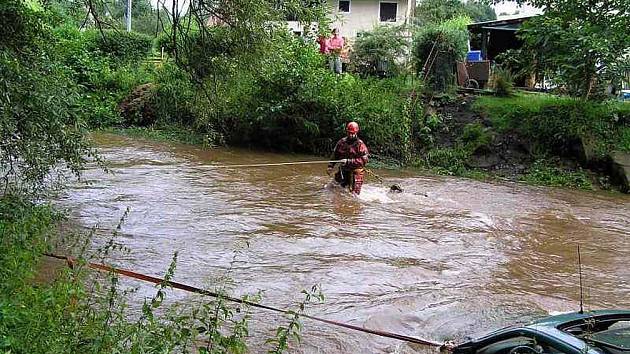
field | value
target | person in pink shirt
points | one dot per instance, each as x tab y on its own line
323	44
334	46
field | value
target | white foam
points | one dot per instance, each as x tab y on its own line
375	194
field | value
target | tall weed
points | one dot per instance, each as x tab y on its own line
79	311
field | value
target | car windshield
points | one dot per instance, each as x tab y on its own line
613	339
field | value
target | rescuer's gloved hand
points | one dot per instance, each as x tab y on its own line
344	161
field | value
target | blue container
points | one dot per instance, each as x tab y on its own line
473	55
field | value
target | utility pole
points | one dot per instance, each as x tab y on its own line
128	16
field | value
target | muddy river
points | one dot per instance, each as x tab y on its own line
447	258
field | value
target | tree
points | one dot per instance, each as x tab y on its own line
581	44
40	123
479	11
436	11
379	51
110	14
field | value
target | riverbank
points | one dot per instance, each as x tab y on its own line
537	139
530	138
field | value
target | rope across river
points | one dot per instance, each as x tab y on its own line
276	164
155	280
271	164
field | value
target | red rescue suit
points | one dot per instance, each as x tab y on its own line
351	173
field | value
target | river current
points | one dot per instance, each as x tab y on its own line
449	257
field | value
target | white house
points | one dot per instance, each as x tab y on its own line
355	16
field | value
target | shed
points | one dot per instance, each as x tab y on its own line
495	37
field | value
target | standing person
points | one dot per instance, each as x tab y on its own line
354	155
323	44
335	45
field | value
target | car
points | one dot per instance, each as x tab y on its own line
592	332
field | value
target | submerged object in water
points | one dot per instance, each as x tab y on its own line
395	189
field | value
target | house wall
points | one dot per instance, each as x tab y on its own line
364	15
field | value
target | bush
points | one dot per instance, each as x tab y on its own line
21	26
104	79
75	311
475	137
291	102
546	173
448	43
624	139
448	161
174	96
120	46
379	52
40	123
502	82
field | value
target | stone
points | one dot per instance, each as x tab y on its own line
621	169
483	161
585	150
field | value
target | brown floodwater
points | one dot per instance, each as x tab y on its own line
449	257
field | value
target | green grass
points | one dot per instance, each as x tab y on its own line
503	111
554	123
623	143
545	173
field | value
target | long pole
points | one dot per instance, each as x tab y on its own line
581	287
128	16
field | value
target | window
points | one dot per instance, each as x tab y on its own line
388	11
344	6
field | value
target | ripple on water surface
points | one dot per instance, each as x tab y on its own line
447	258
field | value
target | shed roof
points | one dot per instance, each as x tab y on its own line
512	24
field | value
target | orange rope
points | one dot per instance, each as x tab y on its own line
106	268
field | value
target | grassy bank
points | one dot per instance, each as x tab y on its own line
561	135
554	124
34	316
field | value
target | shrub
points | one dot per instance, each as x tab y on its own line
124	47
437	48
293	103
174	95
475	137
104	80
21	26
290	101
449	161
544	172
379	52
40	123
624	139
502	82
76	312
521	64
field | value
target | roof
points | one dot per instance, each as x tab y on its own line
511	24
559	320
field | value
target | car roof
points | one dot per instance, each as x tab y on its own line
568	318
549	326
